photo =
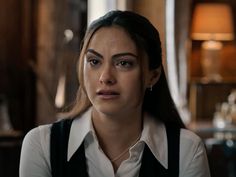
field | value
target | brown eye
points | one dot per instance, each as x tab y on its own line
94	62
125	64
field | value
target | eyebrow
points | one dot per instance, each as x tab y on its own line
94	52
114	56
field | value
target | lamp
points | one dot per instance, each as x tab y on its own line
213	23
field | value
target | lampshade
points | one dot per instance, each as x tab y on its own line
212	21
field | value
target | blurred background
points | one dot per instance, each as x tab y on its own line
40	44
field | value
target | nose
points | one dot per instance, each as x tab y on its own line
107	76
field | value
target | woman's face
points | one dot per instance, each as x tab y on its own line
112	72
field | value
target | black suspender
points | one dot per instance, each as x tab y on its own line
173	137
151	166
58	146
77	166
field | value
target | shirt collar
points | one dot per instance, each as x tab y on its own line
153	134
80	128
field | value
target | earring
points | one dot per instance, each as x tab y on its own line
150	88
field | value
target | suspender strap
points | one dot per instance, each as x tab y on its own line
58	150
151	167
173	136
76	167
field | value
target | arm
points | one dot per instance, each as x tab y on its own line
34	160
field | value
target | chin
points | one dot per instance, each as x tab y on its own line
109	109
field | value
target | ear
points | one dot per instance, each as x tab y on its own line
154	76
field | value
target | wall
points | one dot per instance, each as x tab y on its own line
56	57
47	59
155	11
16	52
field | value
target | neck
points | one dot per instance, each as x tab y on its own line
117	133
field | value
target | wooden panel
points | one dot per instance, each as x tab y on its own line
56	57
205	96
16	50
10	147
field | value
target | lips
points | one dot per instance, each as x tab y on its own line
107	94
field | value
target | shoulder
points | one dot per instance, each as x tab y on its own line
193	157
37	140
189	136
35	152
190	143
38	134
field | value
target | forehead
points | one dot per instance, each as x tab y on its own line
113	39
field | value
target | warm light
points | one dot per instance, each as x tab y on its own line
212	21
60	94
212	45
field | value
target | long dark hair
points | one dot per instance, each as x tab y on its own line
157	102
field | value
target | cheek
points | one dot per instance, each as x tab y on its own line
133	83
89	79
134	92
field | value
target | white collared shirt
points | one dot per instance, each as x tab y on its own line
35	154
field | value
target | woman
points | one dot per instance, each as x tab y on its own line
124	122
